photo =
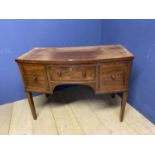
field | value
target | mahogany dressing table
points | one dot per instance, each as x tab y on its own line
106	69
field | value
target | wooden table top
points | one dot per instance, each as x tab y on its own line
76	54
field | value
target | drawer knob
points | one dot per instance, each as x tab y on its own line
113	76
59	74
34	78
70	69
84	73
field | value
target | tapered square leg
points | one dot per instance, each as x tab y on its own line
123	105
31	103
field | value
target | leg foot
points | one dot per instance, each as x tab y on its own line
123	105
47	95
31	103
113	95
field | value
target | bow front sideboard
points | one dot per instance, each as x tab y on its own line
106	69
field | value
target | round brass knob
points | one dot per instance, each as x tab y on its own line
34	78
113	76
84	73
59	74
70	69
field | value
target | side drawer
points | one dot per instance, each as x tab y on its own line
114	76
35	77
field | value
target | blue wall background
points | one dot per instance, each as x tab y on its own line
19	36
139	37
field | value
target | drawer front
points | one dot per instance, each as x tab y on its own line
35	77
72	73
114	76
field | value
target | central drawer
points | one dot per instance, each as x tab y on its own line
73	72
